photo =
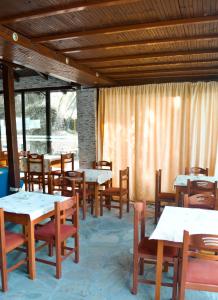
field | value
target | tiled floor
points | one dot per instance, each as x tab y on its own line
104	271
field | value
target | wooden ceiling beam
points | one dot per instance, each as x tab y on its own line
126	28
147	55
20	40
167	73
140	43
190	69
155	64
62	9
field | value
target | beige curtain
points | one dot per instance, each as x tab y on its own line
167	126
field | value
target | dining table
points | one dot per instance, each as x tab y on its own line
96	177
181	182
170	229
29	209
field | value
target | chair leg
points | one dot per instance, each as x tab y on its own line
134	289
50	249
121	208
58	260
101	205
175	279
127	207
84	208
77	248
4	275
141	266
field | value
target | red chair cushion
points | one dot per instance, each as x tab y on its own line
167	196
47	231
149	247
13	240
202	271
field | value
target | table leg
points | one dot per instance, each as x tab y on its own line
177	196
160	246
96	200
31	250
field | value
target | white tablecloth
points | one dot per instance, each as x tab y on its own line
99	176
181	180
174	220
48	159
30	203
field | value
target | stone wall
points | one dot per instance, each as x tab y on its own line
86	126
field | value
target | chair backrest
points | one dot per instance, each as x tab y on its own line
64	209
72	182
67	162
201	187
124	179
200	201
102	165
200	246
196	171
35	163
139	222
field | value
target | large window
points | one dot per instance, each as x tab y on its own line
46	122
64	136
35	119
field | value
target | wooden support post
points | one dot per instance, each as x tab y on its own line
11	131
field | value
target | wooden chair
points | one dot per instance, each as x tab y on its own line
199	265
67	164
23	175
145	251
121	193
3	158
200	201
56	232
9	241
201	187
74	182
161	198
196	171
36	171
102	165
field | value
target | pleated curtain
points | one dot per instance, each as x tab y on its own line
158	126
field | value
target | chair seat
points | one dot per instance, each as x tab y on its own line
13	240
47	231
167	196
149	247
113	191
202	271
56	172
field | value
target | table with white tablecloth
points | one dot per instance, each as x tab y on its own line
170	228
49	160
180	183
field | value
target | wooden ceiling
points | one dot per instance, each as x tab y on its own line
112	42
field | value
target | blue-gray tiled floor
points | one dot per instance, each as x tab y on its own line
104	271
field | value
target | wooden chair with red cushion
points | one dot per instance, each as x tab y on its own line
9	241
199	265
201	187
116	194
56	232
102	165
200	201
196	171
161	198
145	251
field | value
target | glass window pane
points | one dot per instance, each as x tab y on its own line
64	137
18	108
35	109
3	141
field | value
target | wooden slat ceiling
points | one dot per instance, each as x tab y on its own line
113	42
